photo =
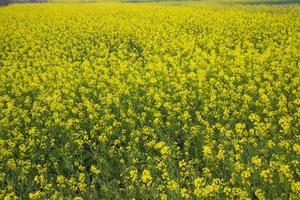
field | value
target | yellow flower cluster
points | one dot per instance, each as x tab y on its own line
149	101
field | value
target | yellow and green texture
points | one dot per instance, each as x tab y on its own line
148	101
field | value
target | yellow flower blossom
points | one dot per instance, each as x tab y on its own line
256	160
149	101
146	177
95	170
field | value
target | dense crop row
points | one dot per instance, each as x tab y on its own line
111	101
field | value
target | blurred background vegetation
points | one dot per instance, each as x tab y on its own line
251	2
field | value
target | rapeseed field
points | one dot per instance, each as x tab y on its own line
149	101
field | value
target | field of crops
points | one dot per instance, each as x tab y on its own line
149	101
